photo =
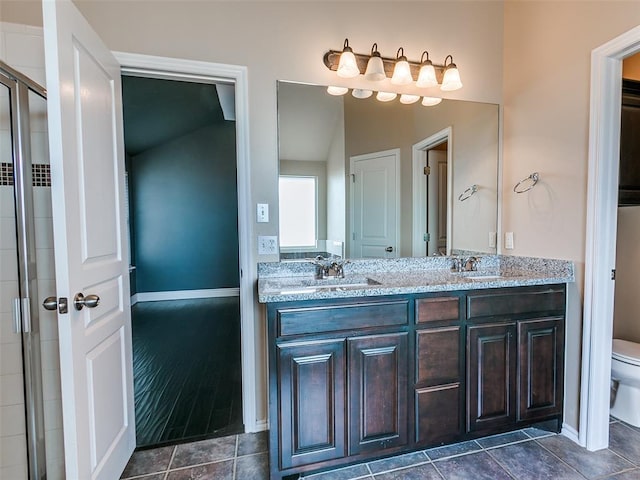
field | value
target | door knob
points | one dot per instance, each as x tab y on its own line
90	301
53	303
388	249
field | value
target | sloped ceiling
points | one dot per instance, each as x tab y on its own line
157	111
307	118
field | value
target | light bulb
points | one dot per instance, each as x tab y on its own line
361	93
347	66
386	96
430	101
409	99
402	70
451	79
332	90
427	75
375	66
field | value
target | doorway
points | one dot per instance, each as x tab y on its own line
604	145
179	139
432	198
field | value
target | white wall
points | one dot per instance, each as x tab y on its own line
547	47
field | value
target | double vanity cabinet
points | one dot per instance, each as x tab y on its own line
351	379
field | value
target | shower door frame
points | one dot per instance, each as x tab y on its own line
26	311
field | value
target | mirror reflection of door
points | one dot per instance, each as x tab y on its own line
436	207
375	205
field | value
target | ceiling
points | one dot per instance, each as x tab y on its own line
157	111
307	120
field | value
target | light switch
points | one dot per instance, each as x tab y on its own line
508	240
262	213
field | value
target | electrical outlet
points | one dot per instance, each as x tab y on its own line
267	245
262	213
508	240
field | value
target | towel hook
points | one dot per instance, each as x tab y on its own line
533	178
468	192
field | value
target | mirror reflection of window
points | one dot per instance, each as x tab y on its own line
298	211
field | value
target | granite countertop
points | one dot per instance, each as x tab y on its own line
283	281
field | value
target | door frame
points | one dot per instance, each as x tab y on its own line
602	215
419	161
191	70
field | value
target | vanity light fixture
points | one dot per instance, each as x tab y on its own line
361	93
375	66
402	70
347	66
337	91
386	96
409	99
427	75
431	101
451	78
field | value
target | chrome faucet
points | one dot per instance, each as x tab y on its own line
469	264
330	269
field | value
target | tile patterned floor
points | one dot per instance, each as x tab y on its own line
528	454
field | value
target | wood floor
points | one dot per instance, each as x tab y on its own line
186	370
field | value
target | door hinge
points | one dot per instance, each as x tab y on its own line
427	170
426	237
613	274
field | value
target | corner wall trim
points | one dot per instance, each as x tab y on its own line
184	294
570	432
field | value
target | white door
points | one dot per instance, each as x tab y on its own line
87	165
375	205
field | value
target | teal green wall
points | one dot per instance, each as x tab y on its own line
184	210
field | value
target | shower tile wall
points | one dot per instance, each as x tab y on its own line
22	48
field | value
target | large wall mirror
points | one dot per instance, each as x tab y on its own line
363	178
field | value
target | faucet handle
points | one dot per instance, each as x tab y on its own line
472	262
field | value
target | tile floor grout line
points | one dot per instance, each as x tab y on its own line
200	464
173	456
503	467
561	460
235	458
438	471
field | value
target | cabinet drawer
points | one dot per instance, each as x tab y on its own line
333	318
438	355
515	302
437	309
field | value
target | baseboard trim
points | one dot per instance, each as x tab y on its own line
184	295
571	433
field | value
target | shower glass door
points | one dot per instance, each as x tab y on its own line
30	410
13	430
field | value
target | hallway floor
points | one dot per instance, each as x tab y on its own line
186	369
528	454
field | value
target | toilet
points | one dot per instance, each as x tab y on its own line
625	369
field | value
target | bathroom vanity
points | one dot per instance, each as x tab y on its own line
402	355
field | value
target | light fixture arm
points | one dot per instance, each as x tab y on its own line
332	57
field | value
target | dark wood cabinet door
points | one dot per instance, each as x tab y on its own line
491	376
312	407
377	392
540	345
438	416
438	358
